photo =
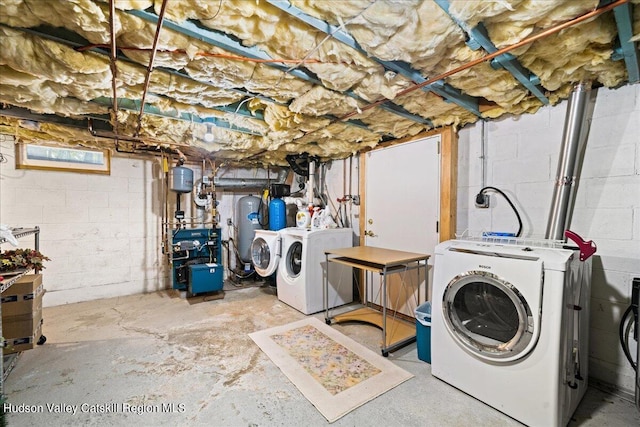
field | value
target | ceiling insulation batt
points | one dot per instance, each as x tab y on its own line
270	78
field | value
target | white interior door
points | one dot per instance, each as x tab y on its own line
402	209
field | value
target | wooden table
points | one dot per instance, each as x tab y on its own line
384	262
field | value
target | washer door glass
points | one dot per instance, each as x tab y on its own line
294	259
488	316
260	253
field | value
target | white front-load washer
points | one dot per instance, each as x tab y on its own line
510	327
266	249
300	276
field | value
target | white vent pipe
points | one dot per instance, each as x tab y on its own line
576	129
312	181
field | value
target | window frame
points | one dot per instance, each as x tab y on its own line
24	162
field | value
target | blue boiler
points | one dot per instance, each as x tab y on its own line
197	260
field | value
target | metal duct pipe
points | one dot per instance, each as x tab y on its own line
312	181
573	142
244	183
240	183
248	183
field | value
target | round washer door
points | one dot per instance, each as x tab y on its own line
264	257
293	261
488	317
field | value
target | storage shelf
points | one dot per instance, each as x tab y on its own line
395	331
7	362
20	232
399	332
376	268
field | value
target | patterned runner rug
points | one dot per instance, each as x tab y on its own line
335	373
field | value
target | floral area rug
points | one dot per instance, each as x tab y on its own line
335	373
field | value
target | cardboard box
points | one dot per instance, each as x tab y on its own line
15	345
22	314
21	326
24	285
23	297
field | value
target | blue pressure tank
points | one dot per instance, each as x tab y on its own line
277	214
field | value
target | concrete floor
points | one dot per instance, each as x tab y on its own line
158	348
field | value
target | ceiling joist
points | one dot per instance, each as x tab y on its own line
239	108
280	77
442	89
624	21
223	41
68	38
83	123
478	38
135	105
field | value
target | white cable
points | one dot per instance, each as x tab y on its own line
329	36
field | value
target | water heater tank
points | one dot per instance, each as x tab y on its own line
248	221
181	180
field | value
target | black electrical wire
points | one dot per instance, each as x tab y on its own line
510	204
263	209
238	259
623	342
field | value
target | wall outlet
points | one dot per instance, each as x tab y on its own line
482	201
229	223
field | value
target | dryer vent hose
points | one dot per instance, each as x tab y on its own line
628	321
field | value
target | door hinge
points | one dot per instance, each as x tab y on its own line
437	226
438	146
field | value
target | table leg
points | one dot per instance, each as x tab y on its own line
385	352
325	292
426	279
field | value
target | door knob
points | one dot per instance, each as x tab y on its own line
369	233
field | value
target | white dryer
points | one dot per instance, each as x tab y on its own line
266	249
510	327
300	276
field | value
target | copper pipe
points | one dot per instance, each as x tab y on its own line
151	61
489	57
181	154
212	55
134	139
114	67
165	197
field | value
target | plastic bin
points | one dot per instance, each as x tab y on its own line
423	331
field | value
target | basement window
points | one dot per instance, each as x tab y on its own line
45	157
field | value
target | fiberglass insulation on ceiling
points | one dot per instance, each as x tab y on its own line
262	113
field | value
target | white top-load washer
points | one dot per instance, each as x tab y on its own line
300	276
266	249
510	327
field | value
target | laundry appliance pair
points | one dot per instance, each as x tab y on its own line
297	257
510	326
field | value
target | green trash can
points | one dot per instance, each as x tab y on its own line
423	331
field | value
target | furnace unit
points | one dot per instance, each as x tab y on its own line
197	260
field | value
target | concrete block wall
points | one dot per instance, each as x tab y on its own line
342	179
100	231
103	232
521	157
